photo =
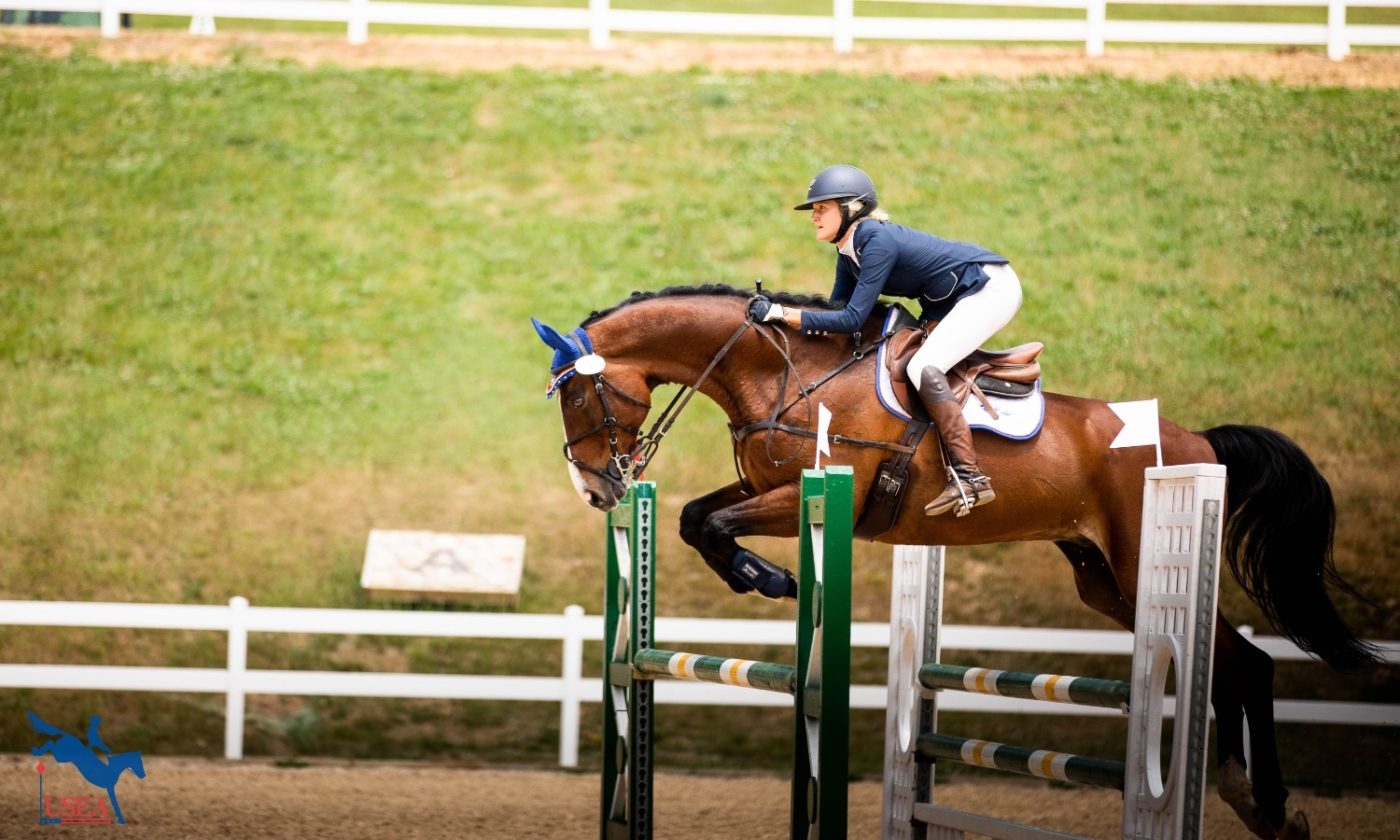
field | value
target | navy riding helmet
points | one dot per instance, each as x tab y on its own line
840	182
845	184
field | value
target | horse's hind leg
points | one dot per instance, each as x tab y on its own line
1094	579
1226	696
1243	687
711	523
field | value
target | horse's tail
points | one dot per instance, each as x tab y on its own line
1278	541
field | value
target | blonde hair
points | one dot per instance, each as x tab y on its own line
855	205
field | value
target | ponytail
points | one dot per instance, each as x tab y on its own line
855	205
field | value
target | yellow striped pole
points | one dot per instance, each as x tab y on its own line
1045	764
1081	691
747	673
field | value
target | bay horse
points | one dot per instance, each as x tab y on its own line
1065	485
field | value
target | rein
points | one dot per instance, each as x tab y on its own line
804	394
624	469
648	443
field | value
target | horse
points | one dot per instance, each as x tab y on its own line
1065	485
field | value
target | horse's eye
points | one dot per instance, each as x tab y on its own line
576	402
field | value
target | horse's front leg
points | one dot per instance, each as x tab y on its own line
112	798
711	525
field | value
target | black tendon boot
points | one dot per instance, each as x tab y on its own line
757	573
968	486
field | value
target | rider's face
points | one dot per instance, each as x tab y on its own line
826	216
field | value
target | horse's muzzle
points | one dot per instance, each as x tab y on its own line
601	501
600	490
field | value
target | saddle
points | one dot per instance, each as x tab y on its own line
1004	373
1010	373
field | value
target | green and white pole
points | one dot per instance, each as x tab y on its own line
629	599
821	755
745	673
1055	688
1044	764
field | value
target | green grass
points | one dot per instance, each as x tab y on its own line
249	312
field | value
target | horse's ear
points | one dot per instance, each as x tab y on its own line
550	336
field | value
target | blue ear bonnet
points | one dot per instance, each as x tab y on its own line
567	350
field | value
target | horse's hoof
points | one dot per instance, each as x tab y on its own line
1238	792
1295	827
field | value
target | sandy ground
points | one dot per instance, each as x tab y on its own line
456	53
182	798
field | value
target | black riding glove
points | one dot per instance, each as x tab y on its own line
762	309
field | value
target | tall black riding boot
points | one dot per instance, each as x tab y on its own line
968	486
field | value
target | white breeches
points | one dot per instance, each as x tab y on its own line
972	321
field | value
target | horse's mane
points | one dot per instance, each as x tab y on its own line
720	290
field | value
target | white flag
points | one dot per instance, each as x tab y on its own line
823	442
1139	426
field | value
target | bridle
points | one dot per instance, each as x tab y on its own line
625	468
620	466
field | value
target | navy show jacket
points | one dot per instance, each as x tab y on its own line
902	262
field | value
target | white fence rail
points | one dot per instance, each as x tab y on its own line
571	689
843	26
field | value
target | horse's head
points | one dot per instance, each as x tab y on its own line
698	337
127	761
603	405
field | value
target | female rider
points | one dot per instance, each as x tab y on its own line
969	292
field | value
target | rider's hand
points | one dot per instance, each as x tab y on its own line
762	310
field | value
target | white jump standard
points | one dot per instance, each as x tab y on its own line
1179	561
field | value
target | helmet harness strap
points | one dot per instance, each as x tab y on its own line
848	219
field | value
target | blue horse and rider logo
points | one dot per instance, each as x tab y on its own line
102	772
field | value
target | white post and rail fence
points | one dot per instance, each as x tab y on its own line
842	27
570	689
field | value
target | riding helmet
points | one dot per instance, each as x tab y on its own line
840	181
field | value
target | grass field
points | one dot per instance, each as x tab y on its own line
249	312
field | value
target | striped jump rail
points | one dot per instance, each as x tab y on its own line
1081	691
1044	764
748	673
